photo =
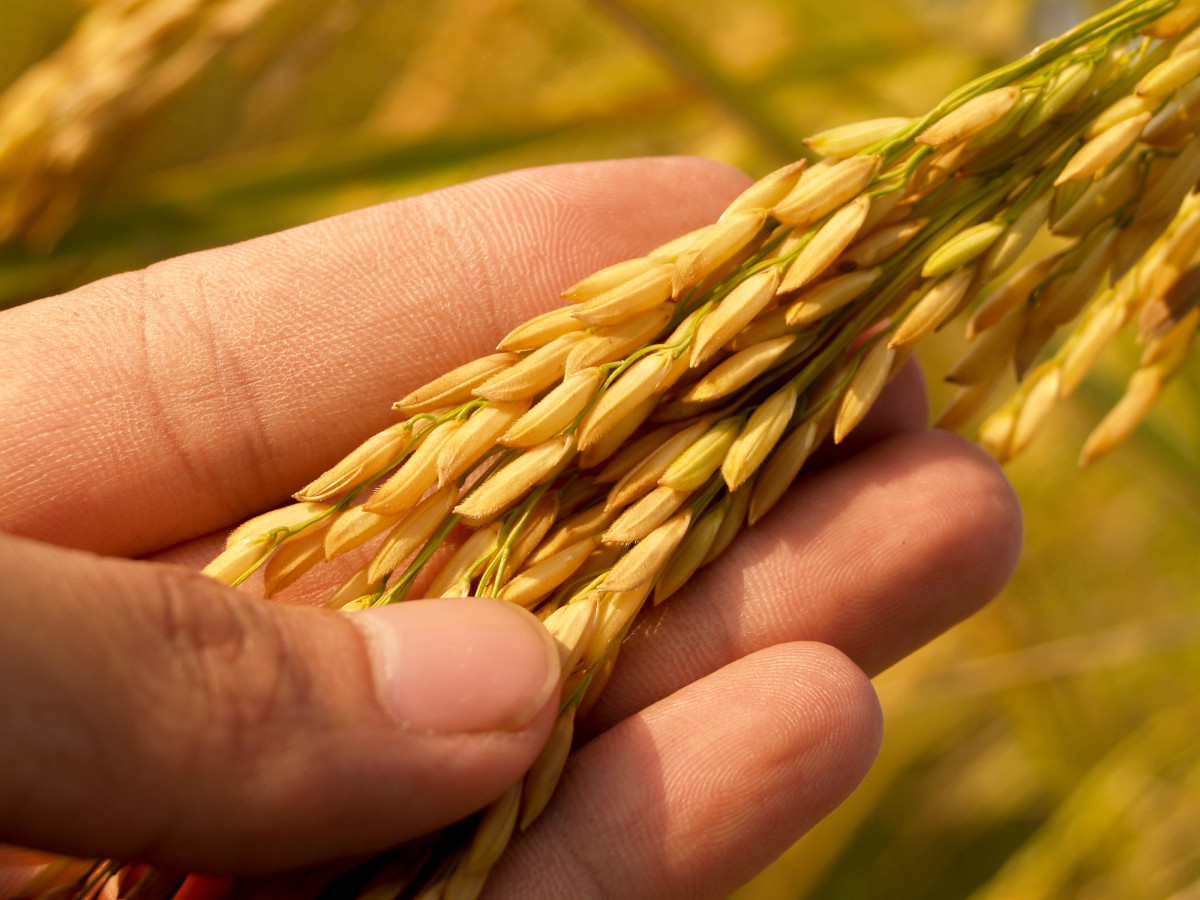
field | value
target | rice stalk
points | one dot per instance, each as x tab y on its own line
66	122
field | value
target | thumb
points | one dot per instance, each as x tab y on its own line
152	713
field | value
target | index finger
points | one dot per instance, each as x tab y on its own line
154	406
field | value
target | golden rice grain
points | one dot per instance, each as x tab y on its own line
1083	270
507	484
937	305
991	349
1163	197
1008	296
537	523
572	627
554	412
966	403
532	584
736	504
1175	21
1095	333
639	383
1175	123
533	374
970	118
781	468
476	438
670	251
1170	74
238	559
743	367
645	475
766	326
1103	149
700	461
1104	198
355	526
720	243
850	140
1170	350
1125	108
492	833
609	277
644	515
358	587
733	313
637	568
288	519
411	532
767	191
937	168
690	554
962	248
609	343
822	299
632	453
585	523
364	462
615	437
865	385
617	611
816	197
826	245
544	774
761	433
881	244
1040	394
292	560
457	385
1127	413
461	565
645	292
418	473
540	330
995	434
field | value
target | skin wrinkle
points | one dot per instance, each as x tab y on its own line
233	654
217	382
162	423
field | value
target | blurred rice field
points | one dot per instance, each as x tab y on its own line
1048	748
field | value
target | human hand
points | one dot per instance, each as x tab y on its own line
155	714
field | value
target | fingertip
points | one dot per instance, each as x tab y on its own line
837	721
696	793
947	529
461	664
988	508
